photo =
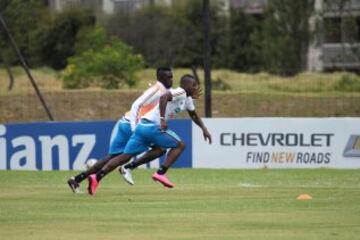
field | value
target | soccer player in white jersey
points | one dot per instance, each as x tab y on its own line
124	127
152	131
171	107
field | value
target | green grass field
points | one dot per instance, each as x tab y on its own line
206	204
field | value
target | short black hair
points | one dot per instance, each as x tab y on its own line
182	79
160	70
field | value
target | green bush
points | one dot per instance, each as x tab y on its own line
348	83
220	85
108	63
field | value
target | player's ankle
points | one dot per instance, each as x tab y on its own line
100	174
130	166
162	170
79	178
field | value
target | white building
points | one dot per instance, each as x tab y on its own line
106	6
334	47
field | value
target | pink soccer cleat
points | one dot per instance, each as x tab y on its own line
93	184
163	180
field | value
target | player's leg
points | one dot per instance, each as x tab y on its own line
94	179
134	146
154	153
74	182
168	139
172	156
120	135
126	169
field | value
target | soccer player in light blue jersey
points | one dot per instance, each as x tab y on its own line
123	129
152	131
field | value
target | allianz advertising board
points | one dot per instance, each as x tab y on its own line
68	145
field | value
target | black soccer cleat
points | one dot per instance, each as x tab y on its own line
75	187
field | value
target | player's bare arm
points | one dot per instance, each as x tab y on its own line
197	120
164	99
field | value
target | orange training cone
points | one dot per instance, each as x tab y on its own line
304	197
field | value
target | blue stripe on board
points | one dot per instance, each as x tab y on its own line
67	145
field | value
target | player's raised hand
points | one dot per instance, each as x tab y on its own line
197	93
207	135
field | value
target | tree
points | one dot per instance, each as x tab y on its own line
166	36
236	49
58	37
285	36
24	19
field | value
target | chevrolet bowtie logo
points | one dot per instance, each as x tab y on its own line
352	148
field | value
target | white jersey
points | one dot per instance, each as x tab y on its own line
180	102
145	103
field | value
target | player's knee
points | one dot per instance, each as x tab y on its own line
181	145
159	151
162	151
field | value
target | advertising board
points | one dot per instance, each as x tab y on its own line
279	143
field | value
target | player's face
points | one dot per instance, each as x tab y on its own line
167	79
